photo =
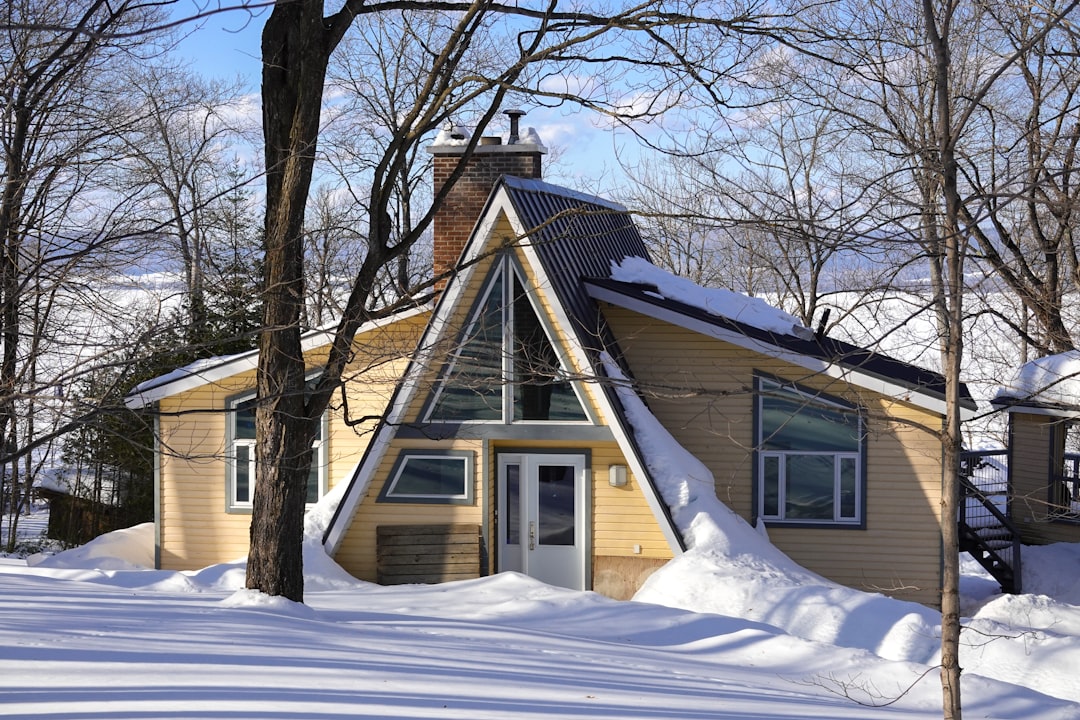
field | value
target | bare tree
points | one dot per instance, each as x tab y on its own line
58	65
180	163
923	84
1024	199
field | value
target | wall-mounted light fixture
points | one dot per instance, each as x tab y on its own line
616	475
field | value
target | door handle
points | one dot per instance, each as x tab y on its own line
532	534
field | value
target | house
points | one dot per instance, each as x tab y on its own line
502	444
1043	459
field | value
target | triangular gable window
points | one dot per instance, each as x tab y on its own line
506	368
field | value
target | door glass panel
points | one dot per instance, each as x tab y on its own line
513	504
555	504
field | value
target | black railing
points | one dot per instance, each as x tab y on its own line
1069	480
986	529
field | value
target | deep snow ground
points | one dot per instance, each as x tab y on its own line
80	641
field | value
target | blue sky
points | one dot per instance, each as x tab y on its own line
583	153
226	44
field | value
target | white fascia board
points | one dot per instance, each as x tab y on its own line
629	450
244	362
849	375
362	474
1019	407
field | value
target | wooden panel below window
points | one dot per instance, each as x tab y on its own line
427	553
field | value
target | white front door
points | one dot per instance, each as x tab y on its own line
542	517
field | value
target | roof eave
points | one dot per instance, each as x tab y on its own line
915	394
151	392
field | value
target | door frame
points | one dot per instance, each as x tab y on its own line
583	500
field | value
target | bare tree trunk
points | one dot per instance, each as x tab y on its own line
296	46
951	311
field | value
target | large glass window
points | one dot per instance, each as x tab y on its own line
505	368
430	476
810	457
241	472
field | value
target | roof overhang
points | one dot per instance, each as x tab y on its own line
919	397
205	372
1016	405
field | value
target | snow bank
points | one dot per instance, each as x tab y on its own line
732	569
1052	380
128	549
715	301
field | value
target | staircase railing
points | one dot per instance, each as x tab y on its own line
986	531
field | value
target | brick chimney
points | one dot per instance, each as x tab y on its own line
492	158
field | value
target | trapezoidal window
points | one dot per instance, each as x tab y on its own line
505	367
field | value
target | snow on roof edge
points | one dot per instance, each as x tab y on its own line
207	370
720	302
1052	381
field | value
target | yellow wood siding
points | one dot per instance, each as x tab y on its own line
1034	454
620	517
701	389
195	528
357	551
625	540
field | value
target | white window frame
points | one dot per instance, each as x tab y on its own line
781	502
466	497
858	519
232	503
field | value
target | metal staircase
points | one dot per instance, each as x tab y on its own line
986	532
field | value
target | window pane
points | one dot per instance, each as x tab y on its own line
430	476
313	479
244	421
810	484
472	390
243	474
538	392
770	479
788	422
848	488
513	504
556	504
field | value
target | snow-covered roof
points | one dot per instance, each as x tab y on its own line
1049	383
208	370
751	323
715	301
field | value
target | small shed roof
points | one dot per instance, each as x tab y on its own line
1046	385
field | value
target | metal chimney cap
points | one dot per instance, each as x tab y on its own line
515	116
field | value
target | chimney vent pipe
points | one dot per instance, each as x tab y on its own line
515	115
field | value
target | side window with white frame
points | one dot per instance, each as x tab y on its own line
430	476
811	457
240	482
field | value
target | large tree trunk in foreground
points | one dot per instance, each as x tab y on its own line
296	49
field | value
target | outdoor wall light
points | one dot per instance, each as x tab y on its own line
616	475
